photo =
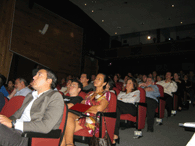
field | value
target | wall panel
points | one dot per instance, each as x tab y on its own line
59	48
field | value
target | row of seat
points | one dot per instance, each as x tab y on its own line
82	135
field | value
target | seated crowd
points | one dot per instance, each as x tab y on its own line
96	92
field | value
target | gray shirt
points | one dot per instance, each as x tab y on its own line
23	92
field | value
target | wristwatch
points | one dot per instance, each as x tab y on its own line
13	123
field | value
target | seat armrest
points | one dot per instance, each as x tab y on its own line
52	134
107	114
162	98
141	104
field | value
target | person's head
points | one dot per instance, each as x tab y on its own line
176	76
168	76
150	75
110	84
154	74
10	84
2	80
159	78
63	80
132	85
44	80
68	84
191	73
116	78
126	78
144	78
100	81
84	78
69	77
119	76
149	81
130	74
185	77
75	87
20	83
92	77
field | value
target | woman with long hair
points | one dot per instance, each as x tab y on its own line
98	100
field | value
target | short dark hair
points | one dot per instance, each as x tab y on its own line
80	85
111	83
51	75
23	80
2	80
87	76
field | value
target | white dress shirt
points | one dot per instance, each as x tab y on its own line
169	87
26	114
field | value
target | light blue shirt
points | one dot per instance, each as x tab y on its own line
153	94
23	92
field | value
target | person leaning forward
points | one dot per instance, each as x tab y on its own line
41	111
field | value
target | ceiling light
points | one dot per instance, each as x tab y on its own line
102	20
181	22
92	11
173	6
85	4
115	33
149	37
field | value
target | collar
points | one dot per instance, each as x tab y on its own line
36	95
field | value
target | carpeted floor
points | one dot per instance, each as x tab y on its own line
168	134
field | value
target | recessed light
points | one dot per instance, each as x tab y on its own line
149	37
102	20
92	11
115	33
181	22
85	4
172	6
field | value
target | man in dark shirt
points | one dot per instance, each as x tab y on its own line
74	91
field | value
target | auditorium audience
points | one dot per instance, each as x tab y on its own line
87	87
117	83
10	86
98	100
20	88
169	87
75	88
2	87
92	78
126	103
180	90
65	89
189	89
110	85
152	94
41	111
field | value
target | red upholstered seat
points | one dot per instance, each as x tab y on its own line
12	106
83	135
119	85
139	119
161	103
6	100
116	90
48	139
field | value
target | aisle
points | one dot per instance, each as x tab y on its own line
168	134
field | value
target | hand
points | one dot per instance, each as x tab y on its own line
5	121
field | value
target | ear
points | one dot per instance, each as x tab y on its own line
49	81
104	84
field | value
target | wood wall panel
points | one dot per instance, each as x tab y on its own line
59	48
7	8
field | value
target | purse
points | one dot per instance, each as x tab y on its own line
96	141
